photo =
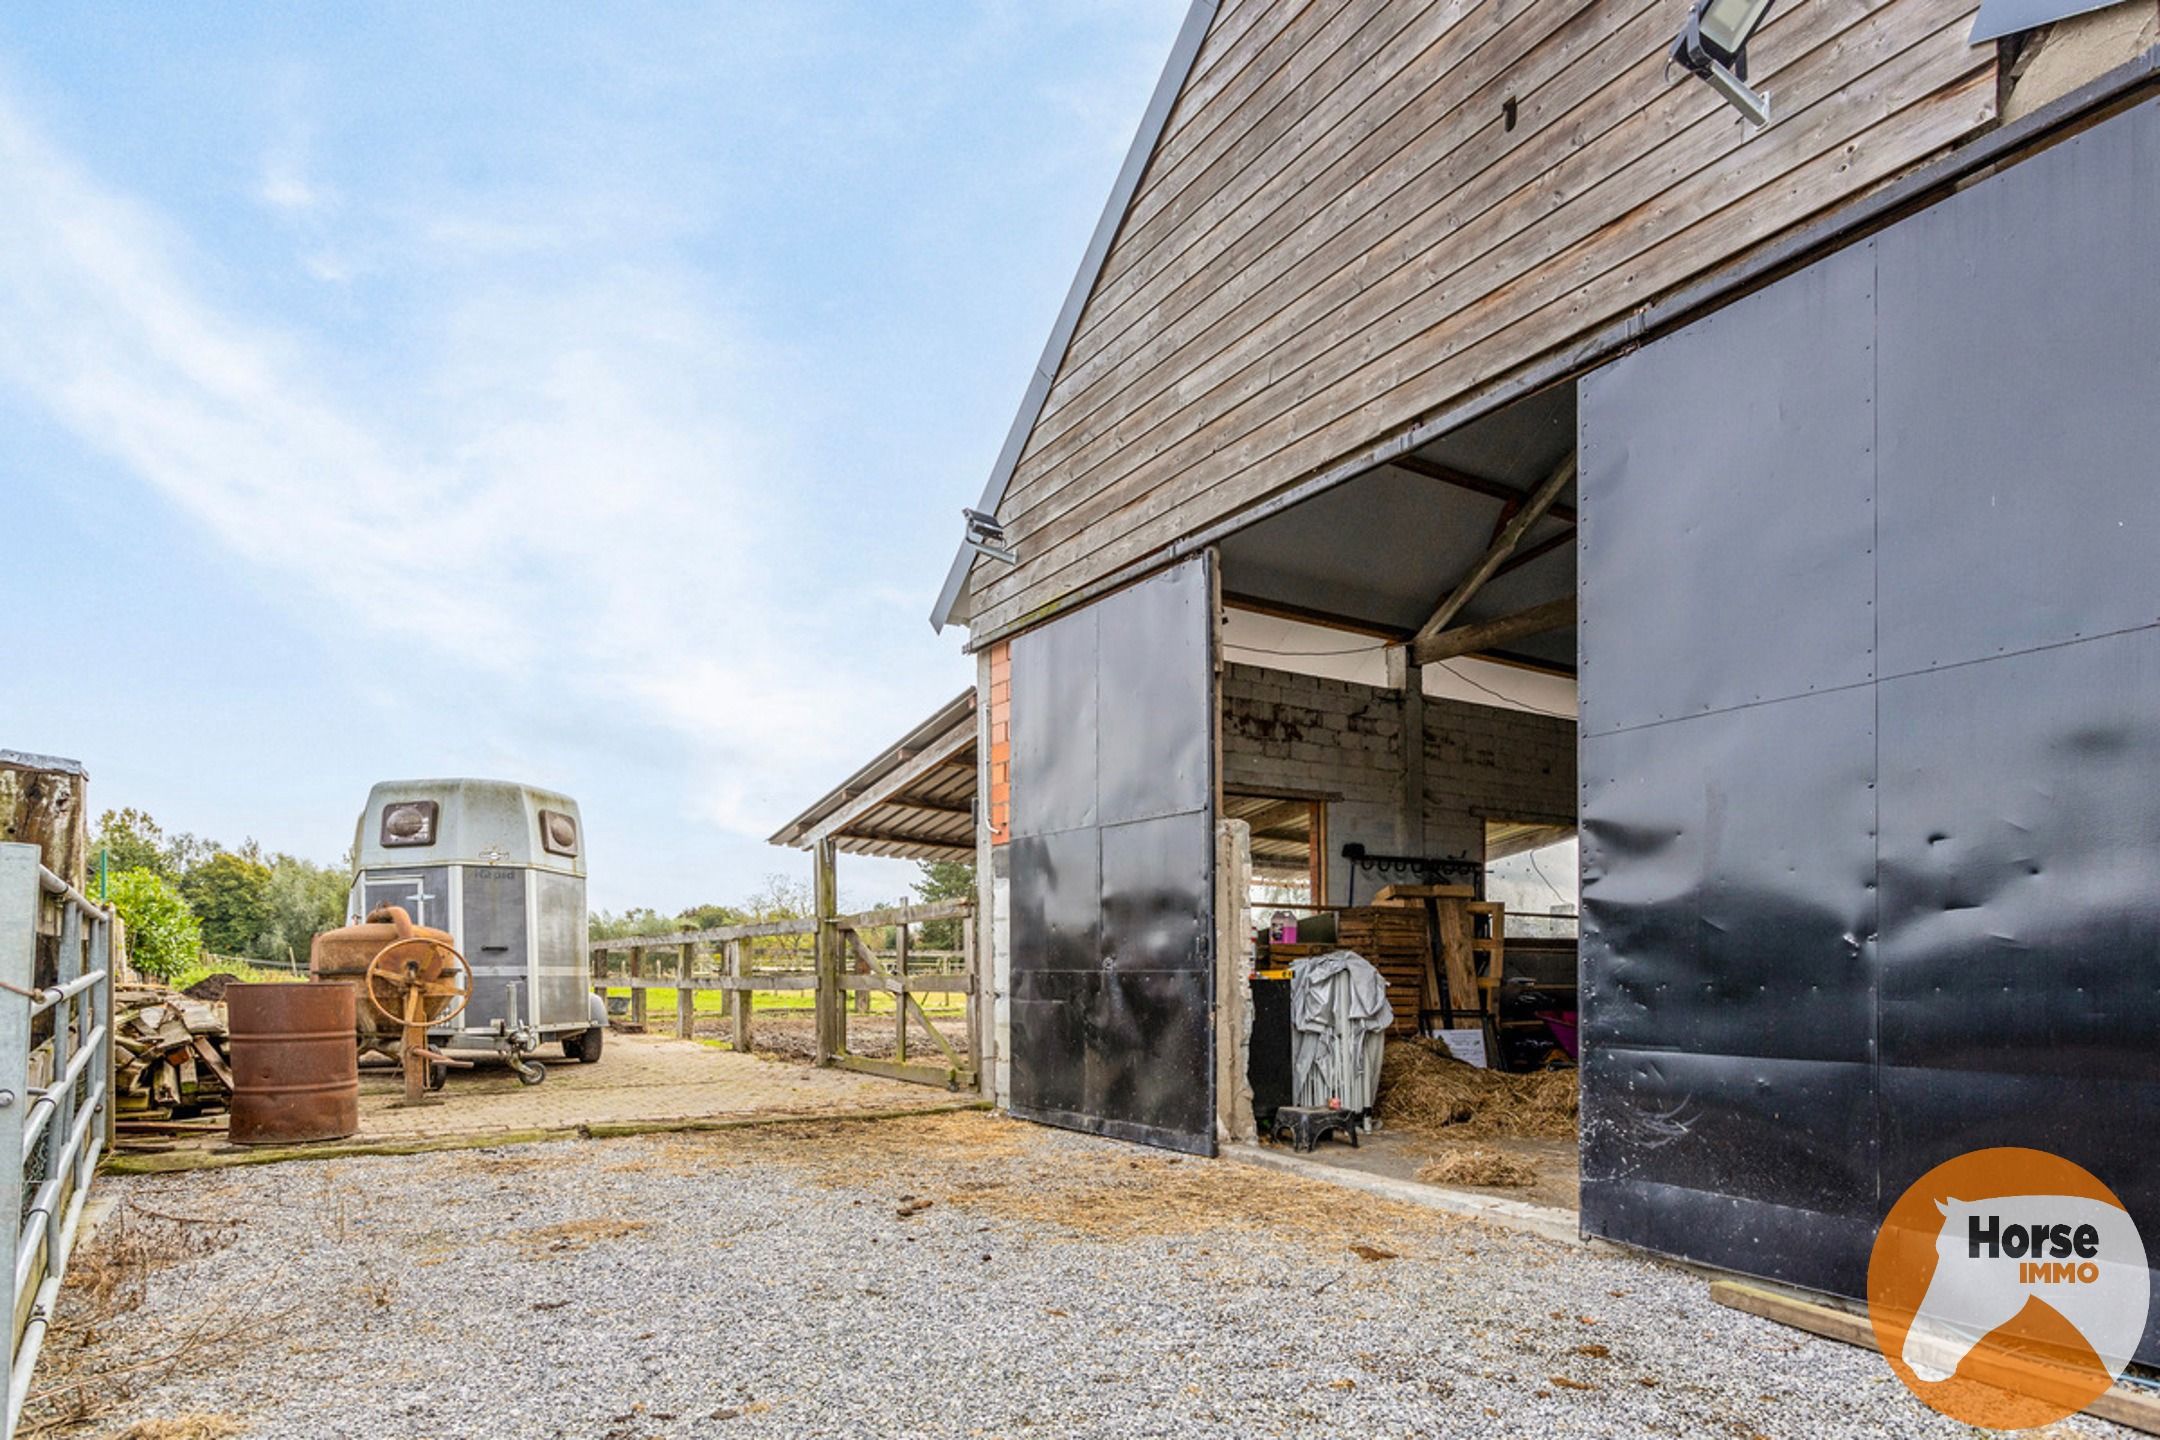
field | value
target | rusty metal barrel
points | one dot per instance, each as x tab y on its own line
296	1071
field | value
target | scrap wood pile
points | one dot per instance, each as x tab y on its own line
173	1050
1426	1091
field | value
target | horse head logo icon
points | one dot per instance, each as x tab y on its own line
2014	1308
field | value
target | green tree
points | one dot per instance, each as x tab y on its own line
709	917
605	925
301	901
133	841
230	895
162	936
943	880
137	842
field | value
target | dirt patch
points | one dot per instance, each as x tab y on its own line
1478	1165
183	1427
211	987
574	1235
871	1036
1426	1091
992	1165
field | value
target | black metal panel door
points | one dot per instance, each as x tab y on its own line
2019	358
1113	860
1727	768
1858	897
1762	445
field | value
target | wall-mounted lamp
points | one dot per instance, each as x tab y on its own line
986	536
1713	45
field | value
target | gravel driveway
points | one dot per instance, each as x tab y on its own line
954	1275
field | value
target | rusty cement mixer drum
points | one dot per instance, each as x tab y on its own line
344	955
296	1072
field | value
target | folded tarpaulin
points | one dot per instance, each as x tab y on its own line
1339	1016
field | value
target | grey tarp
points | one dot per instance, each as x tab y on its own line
1339	1015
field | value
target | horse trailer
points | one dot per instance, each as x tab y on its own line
501	867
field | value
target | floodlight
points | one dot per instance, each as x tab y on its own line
986	536
1713	45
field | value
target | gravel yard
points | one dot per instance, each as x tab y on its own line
950	1275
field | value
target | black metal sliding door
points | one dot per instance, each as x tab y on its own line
1871	726
1112	862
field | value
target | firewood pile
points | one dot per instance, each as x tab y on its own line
174	1049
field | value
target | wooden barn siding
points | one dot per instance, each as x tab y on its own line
1337	235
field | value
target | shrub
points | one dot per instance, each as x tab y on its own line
162	936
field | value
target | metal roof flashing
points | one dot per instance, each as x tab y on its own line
1183	52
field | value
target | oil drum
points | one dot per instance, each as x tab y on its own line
296	1071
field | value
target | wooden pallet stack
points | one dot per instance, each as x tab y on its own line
1395	939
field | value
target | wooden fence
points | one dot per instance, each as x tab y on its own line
842	960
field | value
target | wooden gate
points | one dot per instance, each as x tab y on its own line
836	957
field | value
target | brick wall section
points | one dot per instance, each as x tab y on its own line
1000	742
1301	734
1509	764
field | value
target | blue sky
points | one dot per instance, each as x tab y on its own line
581	394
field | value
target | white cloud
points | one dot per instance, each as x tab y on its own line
578	489
284	184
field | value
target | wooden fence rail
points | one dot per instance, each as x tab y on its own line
896	971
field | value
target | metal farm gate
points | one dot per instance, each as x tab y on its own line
56	1109
1112	856
1870	739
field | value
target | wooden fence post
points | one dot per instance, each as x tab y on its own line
685	997
900	958
862	997
971	1011
637	995
831	1008
738	1000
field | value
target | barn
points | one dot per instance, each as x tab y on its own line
1471	439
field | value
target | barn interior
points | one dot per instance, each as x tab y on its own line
1430	597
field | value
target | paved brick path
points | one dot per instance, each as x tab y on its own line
642	1081
640	1078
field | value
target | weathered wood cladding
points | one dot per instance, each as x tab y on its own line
1339	233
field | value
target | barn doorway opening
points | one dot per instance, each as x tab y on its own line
1399	653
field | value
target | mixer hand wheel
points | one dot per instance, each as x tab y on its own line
410	976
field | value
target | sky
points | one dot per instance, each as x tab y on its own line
582	395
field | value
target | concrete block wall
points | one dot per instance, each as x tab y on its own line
1300	734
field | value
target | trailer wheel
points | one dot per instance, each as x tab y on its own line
584	1047
438	1075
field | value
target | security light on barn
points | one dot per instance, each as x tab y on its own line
1713	45
986	536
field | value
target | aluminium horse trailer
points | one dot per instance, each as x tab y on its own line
501	867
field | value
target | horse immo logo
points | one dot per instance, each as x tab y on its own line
2008	1288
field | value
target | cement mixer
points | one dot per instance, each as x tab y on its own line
410	979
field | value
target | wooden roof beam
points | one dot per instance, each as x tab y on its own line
1487	634
1477	484
1511	534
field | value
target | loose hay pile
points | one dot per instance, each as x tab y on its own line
1426	1091
1478	1165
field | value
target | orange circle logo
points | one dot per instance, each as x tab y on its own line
2008	1288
